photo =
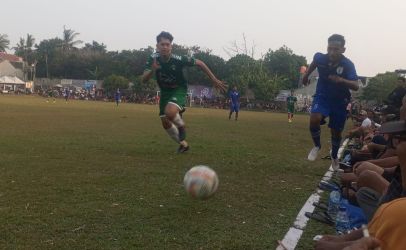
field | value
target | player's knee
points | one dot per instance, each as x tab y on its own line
171	111
315	121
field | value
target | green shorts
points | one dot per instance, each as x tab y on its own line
291	109
175	96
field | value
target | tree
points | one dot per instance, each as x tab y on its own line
114	82
24	49
267	86
144	88
95	47
68	39
20	48
379	87
49	57
239	72
29	41
215	63
285	63
95	74
238	49
4	42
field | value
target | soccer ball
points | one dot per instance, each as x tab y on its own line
201	182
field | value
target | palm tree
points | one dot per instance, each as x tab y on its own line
29	42
4	42
68	39
24	48
95	74
29	53
20	48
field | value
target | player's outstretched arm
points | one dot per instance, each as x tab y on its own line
310	69
216	82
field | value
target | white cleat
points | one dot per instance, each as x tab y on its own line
335	164
313	154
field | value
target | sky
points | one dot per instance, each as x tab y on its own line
375	30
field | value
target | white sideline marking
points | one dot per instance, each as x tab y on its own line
295	232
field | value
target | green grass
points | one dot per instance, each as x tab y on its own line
89	175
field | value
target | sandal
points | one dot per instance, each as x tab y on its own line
320	217
321	205
345	165
326	186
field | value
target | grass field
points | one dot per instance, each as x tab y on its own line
89	175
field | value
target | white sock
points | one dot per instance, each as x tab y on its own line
178	121
173	133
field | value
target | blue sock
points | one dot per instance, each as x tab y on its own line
335	145
315	132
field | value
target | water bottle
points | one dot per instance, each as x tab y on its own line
347	158
342	221
334	204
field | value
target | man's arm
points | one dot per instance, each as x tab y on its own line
349	79
150	70
310	69
352	236
385	162
401	152
364	243
330	242
348	83
216	82
146	76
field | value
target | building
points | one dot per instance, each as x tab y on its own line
12	73
11	65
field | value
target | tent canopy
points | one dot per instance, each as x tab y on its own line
11	80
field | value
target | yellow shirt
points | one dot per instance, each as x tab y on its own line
389	225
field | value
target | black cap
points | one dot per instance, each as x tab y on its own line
397	127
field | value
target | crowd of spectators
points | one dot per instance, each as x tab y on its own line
373	176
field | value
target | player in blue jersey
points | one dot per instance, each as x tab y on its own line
117	97
337	76
234	102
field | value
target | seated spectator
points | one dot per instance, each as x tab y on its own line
380	180
363	128
381	194
387	230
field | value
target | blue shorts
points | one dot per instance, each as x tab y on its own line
336	111
234	107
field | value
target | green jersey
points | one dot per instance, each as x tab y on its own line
170	74
171	79
291	103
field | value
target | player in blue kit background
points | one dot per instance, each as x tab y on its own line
117	97
337	75
234	96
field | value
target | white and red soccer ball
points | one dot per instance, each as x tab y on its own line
201	182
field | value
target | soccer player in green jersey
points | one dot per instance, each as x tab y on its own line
168	71
51	95
290	103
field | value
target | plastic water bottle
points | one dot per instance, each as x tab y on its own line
347	158
342	221
334	204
